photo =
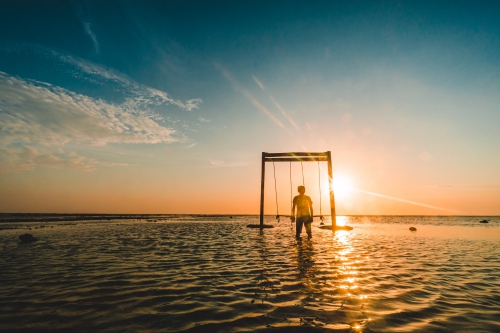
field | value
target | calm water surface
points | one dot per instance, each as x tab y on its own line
211	274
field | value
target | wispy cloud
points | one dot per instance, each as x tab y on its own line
277	105
39	121
37	114
463	186
415	203
224	164
216	162
84	14
139	93
258	83
283	112
132	91
28	157
262	108
250	97
92	36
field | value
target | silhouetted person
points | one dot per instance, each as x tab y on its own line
304	214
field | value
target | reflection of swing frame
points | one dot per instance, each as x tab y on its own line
296	157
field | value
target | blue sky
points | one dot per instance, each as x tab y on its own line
165	106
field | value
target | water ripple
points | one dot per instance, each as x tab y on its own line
218	276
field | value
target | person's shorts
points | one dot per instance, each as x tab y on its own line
304	219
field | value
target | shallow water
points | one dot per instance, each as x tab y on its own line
212	274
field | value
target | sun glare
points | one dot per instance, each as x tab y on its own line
344	189
342	185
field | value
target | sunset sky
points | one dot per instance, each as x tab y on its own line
166	106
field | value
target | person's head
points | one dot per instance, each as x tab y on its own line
301	189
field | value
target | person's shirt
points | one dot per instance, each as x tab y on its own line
303	202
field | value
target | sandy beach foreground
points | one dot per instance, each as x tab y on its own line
211	274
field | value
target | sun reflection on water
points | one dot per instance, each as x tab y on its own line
342	220
348	282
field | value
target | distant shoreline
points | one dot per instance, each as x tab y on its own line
67	217
47	217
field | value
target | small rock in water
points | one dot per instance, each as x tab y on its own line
413	229
483	221
27	238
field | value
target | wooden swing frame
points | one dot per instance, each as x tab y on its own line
295	157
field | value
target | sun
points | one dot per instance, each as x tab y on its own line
342	185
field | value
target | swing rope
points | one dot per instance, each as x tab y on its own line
291	191
276	194
291	195
302	165
319	188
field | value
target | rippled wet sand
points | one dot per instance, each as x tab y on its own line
215	275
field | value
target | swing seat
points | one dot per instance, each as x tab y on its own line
330	227
259	226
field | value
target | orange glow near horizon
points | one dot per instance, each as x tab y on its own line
358	190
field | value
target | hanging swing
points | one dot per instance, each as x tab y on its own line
298	157
291	192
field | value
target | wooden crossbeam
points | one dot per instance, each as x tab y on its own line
294	154
296	159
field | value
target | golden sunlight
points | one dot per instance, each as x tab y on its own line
342	221
342	185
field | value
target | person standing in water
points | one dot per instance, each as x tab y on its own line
304	214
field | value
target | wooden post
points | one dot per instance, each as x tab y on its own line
330	185
262	180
